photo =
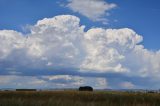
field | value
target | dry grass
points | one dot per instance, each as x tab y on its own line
76	98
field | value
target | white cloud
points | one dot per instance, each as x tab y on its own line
57	81
92	9
52	42
9	40
60	42
13	81
127	85
106	48
76	81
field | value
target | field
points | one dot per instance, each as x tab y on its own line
77	98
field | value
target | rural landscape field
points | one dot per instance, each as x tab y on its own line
77	98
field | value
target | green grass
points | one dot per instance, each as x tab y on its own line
76	98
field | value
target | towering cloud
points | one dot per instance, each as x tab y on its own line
107	49
61	43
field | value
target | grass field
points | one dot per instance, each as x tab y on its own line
77	98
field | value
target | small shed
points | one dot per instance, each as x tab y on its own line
85	88
26	90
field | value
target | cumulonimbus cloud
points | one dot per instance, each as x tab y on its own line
61	42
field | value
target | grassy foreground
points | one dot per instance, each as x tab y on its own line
76	98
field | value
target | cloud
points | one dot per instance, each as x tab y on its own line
127	85
52	42
106	48
60	46
9	40
48	82
13	81
76	81
92	9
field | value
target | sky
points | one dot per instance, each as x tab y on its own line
71	43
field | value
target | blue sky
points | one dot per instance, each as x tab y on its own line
119	47
142	16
